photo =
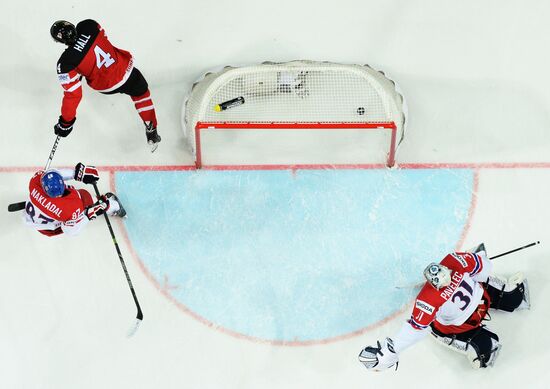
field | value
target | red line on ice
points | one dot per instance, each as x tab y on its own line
430	165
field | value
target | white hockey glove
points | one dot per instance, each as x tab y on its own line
379	358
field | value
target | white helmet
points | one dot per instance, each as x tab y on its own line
437	275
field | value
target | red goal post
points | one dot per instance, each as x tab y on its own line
295	96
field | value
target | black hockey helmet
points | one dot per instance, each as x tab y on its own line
63	31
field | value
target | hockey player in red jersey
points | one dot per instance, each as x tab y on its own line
451	306
106	68
54	208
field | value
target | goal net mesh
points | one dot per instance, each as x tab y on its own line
294	92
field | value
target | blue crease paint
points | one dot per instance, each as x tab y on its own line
302	256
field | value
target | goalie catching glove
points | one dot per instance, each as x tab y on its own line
379	358
86	173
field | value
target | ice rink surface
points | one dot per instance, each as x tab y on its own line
475	76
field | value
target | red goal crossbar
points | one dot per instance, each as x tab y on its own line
294	126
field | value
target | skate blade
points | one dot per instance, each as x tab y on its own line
153	146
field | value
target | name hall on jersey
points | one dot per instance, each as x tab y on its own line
81	42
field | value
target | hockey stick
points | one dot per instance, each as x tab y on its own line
493	257
21	205
50	158
514	250
139	315
16	206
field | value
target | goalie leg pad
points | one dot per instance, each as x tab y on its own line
451	342
483	349
509	295
480	346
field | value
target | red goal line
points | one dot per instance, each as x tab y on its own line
295	126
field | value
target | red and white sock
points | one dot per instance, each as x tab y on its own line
145	108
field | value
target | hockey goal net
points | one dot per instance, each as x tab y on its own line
275	98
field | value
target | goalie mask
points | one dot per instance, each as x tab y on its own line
437	275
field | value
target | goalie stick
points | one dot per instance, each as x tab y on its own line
139	316
514	250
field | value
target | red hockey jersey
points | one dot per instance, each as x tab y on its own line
454	304
451	308
104	66
49	214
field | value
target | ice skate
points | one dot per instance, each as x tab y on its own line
115	206
153	138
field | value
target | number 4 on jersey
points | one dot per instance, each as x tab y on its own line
102	58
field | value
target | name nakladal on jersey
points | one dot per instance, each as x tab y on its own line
46	203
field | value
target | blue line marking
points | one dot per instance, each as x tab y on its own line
294	257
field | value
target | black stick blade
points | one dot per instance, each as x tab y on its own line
16	207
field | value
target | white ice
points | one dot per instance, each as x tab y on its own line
476	78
